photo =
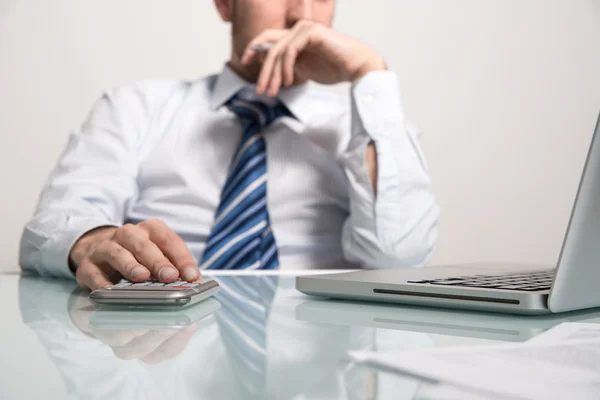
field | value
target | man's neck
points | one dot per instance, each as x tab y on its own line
247	73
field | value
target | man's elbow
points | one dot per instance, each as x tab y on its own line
30	250
411	248
28	256
412	252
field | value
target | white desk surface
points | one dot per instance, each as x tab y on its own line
55	345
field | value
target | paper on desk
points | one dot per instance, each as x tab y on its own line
446	392
569	331
567	370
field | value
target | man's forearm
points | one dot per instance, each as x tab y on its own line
393	212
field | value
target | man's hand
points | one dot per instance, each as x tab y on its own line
310	51
134	252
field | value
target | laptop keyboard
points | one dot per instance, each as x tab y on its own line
527	281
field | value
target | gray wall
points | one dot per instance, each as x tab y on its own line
506	93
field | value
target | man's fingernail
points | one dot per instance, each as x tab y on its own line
137	271
190	274
167	273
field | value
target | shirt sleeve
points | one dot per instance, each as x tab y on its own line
397	226
90	186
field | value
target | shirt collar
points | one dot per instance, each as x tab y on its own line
295	98
227	85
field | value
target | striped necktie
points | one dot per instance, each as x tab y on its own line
241	236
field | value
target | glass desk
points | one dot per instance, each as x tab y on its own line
257	339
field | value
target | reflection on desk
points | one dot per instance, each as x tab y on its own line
474	324
248	346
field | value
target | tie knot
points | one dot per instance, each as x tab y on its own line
256	111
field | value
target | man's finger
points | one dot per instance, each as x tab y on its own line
174	248
267	69
257	50
276	79
121	260
137	240
294	47
268	36
269	65
289	60
90	276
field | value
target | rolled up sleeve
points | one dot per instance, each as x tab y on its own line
397	226
90	187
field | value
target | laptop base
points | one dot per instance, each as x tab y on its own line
392	286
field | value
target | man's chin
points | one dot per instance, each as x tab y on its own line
251	72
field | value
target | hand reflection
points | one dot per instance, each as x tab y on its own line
150	346
252	348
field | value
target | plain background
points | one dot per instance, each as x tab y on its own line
506	93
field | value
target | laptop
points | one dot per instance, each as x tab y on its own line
572	284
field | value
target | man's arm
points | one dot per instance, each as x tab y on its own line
393	212
78	222
89	188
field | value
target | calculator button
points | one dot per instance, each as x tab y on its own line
185	286
179	285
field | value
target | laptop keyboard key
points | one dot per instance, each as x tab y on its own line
526	281
510	287
535	288
473	284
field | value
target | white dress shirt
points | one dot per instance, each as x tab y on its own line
162	149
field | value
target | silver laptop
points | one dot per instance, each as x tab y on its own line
572	284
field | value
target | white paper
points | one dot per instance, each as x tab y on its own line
568	370
569	331
445	392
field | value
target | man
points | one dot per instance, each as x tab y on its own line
252	168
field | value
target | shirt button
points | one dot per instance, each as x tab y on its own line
369	98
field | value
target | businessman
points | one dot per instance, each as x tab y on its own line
253	168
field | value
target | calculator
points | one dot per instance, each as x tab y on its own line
154	295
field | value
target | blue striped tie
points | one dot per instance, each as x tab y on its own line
241	236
